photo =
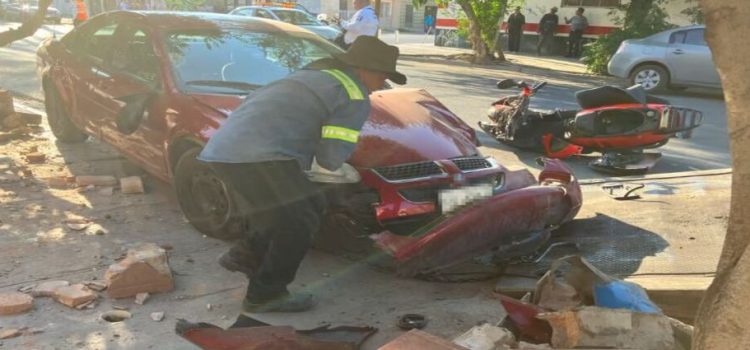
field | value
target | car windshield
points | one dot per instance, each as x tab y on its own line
237	61
296	17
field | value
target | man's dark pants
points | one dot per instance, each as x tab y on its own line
514	40
284	212
574	43
545	39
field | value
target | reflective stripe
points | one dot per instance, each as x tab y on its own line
339	133
351	87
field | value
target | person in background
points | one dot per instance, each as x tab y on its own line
363	22
547	30
578	24
516	20
82	14
429	21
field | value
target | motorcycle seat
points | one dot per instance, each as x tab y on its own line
612	95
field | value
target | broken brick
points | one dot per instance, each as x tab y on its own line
486	337
48	288
97	286
10	333
15	303
74	295
145	269
36	158
141	298
416	339
96	180
131	185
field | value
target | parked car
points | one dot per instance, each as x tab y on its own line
21	11
163	88
675	58
291	16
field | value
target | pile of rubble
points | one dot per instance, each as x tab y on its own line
144	269
13	124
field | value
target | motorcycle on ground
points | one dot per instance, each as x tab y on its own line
618	123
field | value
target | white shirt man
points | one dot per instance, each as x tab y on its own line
363	22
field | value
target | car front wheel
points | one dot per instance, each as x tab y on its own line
59	118
653	78
205	199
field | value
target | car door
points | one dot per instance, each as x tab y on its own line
134	119
90	49
689	59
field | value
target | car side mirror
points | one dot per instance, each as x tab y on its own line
506	84
129	118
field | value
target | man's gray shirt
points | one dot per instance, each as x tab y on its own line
578	22
310	113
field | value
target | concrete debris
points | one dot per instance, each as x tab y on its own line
486	337
10	333
416	339
141	298
74	295
157	316
85	180
15	303
131	185
77	224
48	288
144	269
209	307
528	346
87	305
94	285
106	191
602	327
36	158
58	182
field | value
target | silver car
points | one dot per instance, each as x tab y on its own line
675	58
291	16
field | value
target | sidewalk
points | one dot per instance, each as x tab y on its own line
429	50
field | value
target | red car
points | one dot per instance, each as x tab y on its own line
156	86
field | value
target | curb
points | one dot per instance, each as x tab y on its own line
677	175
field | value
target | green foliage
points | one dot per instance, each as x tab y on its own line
184	5
695	12
642	18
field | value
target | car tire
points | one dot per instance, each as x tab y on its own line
206	201
59	118
653	78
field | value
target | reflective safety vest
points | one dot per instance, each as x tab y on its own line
81	12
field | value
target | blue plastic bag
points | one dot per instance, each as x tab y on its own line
624	295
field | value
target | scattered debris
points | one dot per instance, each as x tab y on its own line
622	191
522	316
157	316
48	288
15	303
528	346
141	298
106	191
87	305
96	180
10	333
74	295
486	337
131	185
26	289
94	285
411	321
77	224
144	269
58	182
416	339
116	316
36	158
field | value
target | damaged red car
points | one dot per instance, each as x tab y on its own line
156	86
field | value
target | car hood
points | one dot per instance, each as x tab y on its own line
324	31
405	126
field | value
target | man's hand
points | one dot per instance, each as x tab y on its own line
345	174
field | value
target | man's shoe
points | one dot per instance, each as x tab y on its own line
285	302
239	261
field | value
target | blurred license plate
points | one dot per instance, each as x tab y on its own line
452	199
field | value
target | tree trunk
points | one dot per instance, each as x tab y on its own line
723	317
497	46
28	28
482	54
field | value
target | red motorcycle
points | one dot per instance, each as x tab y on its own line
618	123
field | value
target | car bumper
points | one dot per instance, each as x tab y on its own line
526	209
618	66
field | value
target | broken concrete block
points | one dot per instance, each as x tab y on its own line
105	180
77	224
141	298
144	269
602	327
485	337
416	339
157	316
74	295
48	288
131	185
15	303
36	158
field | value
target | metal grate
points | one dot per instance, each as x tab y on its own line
409	171
472	163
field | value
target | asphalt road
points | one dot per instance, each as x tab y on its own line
468	91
